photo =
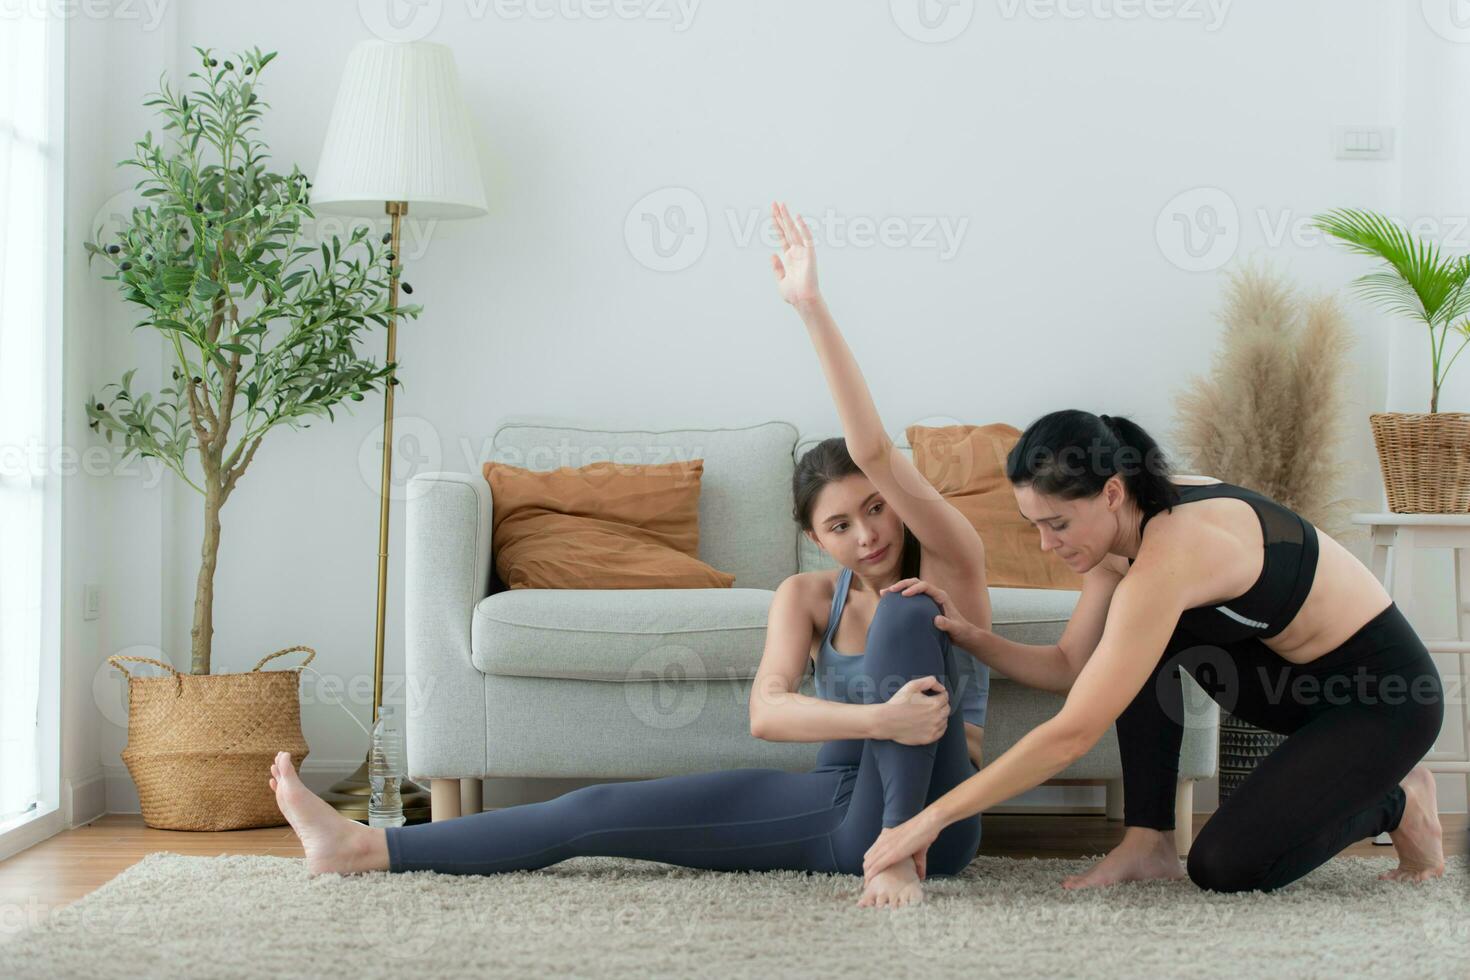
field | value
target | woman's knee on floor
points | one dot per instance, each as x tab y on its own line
1220	865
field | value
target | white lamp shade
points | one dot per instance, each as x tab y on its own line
399	132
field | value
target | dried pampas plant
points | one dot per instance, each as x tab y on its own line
1270	414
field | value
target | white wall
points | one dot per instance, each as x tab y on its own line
112	522
1057	145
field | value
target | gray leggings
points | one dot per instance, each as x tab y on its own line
744	819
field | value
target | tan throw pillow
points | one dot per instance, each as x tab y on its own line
602	526
967	465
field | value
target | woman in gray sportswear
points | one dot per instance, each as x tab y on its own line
899	711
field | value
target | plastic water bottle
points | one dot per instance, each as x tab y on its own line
385	769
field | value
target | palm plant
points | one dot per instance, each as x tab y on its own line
1420	283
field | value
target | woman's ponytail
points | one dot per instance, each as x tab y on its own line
1142	463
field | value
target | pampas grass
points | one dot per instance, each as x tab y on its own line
1270	414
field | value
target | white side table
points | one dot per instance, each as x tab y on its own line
1404	534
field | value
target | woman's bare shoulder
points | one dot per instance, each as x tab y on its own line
814	587
814	592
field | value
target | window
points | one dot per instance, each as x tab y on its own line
30	408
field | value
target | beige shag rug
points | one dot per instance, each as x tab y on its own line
254	916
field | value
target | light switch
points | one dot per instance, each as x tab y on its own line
1363	142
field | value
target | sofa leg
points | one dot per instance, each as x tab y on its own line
1184	816
443	799
471	796
1115	799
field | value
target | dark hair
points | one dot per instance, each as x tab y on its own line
827	462
1071	453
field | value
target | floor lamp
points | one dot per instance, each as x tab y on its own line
399	138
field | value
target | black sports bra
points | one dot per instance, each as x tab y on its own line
1290	564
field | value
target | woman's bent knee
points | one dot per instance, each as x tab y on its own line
1217	866
905	615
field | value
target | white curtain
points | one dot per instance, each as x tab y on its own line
27	166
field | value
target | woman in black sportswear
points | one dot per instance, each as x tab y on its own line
1276	621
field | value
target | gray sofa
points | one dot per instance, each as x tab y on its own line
601	684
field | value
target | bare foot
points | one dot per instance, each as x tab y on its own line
1419	838
1143	854
894	887
332	842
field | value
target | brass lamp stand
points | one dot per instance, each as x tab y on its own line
349	796
399	133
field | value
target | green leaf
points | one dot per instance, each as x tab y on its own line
1422	284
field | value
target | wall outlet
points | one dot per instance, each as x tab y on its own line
91	601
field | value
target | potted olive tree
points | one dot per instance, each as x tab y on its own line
1425	457
263	325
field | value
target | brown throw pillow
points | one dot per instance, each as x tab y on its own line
602	526
966	464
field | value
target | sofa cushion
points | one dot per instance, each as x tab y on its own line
600	526
1035	616
967	465
745	524
622	635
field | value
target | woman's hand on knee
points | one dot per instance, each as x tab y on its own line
918	712
962	632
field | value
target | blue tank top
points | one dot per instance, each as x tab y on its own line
835	671
842	676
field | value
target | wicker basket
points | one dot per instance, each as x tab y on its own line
1425	461
200	746
1242	747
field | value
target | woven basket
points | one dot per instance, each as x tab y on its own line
200	746
1242	747
1425	461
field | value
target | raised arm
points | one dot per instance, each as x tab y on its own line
947	535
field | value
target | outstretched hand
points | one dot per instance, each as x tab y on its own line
796	265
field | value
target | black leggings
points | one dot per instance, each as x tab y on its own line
745	819
1357	718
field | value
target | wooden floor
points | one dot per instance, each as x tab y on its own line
62	869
